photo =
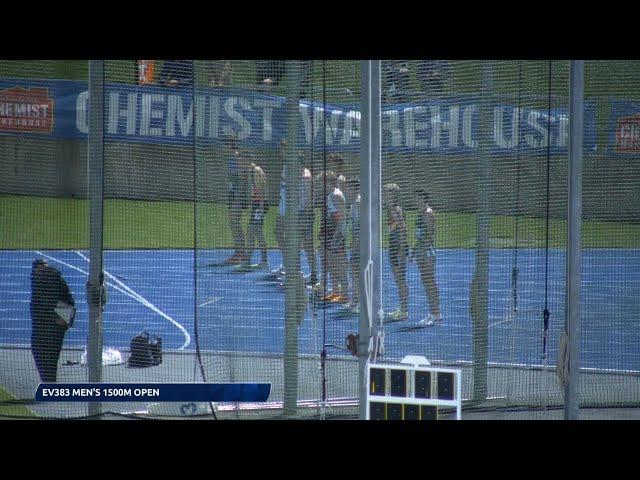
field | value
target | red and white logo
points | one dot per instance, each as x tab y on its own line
628	134
26	110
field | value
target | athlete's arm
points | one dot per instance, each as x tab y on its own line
397	218
430	222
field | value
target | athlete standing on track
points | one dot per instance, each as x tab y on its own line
333	232
239	198
398	249
259	207
279	225
426	255
305	218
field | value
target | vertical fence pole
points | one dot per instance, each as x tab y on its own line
483	219
95	176
294	288
574	238
370	180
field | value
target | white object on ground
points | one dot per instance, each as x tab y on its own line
415	360
110	356
175	409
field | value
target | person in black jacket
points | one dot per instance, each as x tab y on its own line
48	328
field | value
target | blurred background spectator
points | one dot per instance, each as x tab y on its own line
395	80
306	87
434	76
269	72
176	73
219	73
145	72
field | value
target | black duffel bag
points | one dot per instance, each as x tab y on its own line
146	351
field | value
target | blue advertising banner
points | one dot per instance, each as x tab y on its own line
451	126
624	128
39	107
157	392
165	115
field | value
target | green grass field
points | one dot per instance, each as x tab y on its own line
55	223
602	77
12	410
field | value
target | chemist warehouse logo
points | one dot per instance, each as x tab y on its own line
628	134
26	110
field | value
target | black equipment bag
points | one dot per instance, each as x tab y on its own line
146	351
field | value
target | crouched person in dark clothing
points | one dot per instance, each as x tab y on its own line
49	318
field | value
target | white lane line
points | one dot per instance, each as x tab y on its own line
136	296
133	295
508	320
209	302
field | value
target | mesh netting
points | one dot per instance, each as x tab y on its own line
265	187
611	236
231	229
475	231
43	213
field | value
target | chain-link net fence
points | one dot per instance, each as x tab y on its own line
43	213
475	191
271	271
231	229
611	237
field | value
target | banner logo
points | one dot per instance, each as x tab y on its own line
627	138
26	110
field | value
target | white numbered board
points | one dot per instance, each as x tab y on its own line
412	392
